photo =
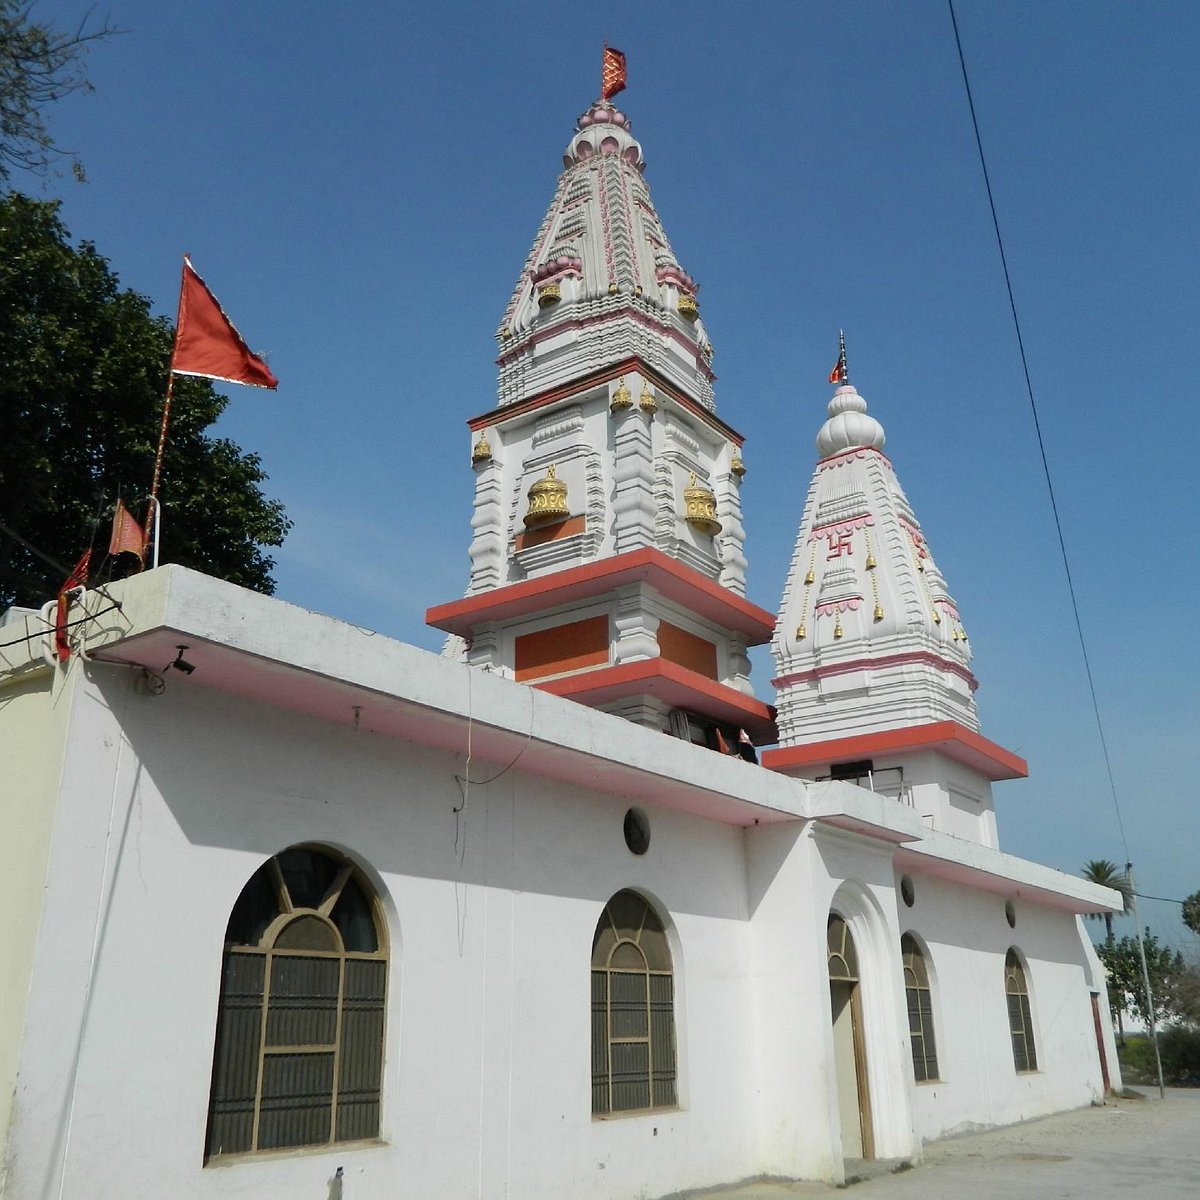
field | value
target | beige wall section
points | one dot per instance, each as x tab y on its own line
31	759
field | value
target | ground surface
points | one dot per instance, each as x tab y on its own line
1125	1148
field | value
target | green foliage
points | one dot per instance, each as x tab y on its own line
83	369
1126	989
1107	874
38	64
1179	1050
1191	912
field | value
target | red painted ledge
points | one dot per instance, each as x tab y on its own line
948	737
674	685
677	582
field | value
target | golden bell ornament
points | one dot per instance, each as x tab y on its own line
547	501
810	578
879	612
802	632
687	307
482	450
700	508
870	561
548	294
837	626
646	401
621	398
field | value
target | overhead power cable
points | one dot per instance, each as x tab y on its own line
1037	425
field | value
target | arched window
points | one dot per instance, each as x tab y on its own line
633	1009
299	1049
1020	1020
920	1010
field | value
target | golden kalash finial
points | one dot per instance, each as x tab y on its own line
646	401
687	307
621	399
700	507
547	500
736	466
482	450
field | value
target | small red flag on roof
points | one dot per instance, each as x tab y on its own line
206	342
838	374
77	577
612	73
127	536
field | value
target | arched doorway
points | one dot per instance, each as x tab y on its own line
849	1042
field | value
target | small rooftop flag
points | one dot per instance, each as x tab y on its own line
838	374
612	73
77	577
206	342
127	536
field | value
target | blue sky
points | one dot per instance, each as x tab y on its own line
360	184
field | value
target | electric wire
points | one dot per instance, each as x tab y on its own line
1062	544
29	637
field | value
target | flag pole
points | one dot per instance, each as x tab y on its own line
155	508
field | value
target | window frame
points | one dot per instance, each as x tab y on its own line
365	998
661	1076
918	983
1020	1014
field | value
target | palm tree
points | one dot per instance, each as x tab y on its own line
1107	874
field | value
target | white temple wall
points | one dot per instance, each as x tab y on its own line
967	936
31	739
487	1075
950	796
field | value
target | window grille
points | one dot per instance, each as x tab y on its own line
920	1010
1020	1019
299	1046
633	1010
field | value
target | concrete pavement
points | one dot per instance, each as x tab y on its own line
1125	1148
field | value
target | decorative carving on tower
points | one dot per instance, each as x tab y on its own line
865	638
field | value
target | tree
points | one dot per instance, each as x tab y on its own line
83	369
1191	912
1107	874
1126	989
38	64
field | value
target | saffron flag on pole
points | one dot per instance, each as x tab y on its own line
206	342
127	536
77	577
612	73
838	374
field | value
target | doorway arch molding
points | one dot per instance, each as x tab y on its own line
885	1034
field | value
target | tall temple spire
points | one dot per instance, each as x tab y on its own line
601	282
607	559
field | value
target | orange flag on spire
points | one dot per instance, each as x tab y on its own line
127	536
206	342
612	73
838	374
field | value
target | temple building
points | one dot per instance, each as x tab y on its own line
294	910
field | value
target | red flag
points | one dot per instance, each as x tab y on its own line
207	344
78	575
127	536
838	374
612	73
